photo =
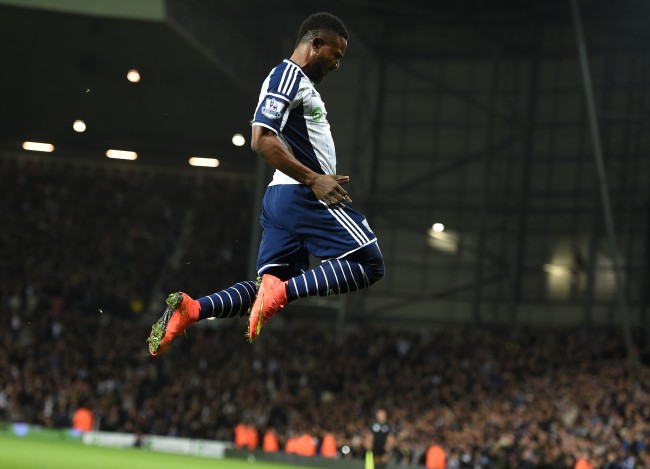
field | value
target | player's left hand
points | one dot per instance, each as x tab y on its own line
327	187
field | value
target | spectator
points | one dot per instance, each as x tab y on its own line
82	420
436	458
270	442
328	447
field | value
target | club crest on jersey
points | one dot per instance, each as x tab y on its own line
273	108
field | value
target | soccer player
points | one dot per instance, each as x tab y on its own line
305	209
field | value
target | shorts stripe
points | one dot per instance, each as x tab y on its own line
355	231
353	223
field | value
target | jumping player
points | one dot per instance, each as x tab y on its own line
305	209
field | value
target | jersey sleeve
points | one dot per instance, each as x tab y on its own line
280	94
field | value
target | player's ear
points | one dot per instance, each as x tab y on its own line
317	42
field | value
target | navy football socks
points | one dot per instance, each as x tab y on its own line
332	277
232	302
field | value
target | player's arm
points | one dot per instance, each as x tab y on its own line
326	187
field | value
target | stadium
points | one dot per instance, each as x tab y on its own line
500	151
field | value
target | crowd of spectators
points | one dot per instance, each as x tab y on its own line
96	238
77	250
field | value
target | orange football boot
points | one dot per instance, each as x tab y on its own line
181	312
271	298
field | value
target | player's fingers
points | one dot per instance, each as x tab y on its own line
343	194
333	202
341	179
341	199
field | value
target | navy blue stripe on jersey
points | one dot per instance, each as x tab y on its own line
288	78
284	80
283	84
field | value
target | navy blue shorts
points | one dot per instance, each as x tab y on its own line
296	224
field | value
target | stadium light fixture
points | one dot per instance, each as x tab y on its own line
121	154
557	269
238	140
38	146
204	162
79	126
133	75
441	240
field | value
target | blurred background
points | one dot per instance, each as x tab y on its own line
500	150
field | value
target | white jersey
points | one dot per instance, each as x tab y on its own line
291	107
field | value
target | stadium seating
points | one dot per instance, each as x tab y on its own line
78	261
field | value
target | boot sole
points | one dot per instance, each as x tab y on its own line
158	330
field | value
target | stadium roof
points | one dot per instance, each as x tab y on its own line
201	64
59	67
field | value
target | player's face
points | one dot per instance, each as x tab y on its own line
328	58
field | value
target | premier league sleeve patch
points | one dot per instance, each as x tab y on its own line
273	108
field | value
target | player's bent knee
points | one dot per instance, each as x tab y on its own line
375	271
371	259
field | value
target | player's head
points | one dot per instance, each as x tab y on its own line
323	24
327	38
381	416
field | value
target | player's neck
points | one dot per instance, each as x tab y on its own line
301	55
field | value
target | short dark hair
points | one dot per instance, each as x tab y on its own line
321	23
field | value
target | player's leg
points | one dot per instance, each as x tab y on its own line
352	272
380	459
281	256
342	236
344	239
183	311
233	302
